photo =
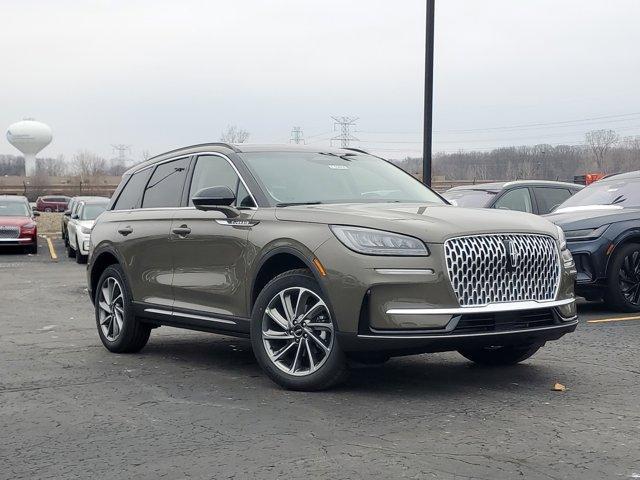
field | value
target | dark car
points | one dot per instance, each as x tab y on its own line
17	223
52	203
71	209
320	256
532	196
602	227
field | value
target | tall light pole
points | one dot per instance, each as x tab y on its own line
428	96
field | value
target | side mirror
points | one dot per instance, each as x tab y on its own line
67	213
74	216
216	198
36	213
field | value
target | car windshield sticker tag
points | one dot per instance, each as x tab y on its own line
339	167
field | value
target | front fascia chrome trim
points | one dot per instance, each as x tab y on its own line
491	308
405	271
188	315
19	239
467	335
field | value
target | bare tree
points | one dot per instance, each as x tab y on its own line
600	141
233	134
88	164
52	167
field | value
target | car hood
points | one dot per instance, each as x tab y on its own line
431	223
86	223
578	219
15	221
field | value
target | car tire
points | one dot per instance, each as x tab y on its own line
119	329
71	253
496	356
308	357
623	279
33	248
48	210
80	258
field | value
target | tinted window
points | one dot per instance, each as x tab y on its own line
165	185
130	195
549	198
214	171
517	199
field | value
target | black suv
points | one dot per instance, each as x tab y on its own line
602	227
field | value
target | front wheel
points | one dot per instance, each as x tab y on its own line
505	355
623	279
293	334
119	329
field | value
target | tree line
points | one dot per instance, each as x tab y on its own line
84	164
603	151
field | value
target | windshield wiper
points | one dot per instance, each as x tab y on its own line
293	204
618	199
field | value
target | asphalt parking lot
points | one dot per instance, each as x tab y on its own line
195	405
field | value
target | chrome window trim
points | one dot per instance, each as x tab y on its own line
491	308
188	315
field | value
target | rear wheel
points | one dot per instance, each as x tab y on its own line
119	329
623	280
506	355
293	334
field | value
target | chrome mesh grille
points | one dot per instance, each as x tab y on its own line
500	268
7	231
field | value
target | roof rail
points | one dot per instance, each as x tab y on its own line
216	144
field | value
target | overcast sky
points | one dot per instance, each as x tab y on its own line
163	74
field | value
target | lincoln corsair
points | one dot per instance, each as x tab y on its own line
324	258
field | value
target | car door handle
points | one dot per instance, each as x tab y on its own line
125	231
182	231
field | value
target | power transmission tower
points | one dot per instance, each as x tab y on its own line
296	135
121	151
345	136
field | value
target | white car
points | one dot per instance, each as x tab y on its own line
80	225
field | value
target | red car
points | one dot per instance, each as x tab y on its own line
17	223
52	203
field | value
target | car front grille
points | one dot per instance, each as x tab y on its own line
505	321
8	231
498	268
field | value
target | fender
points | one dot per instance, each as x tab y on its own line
622	238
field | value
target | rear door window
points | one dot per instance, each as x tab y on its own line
549	198
130	196
517	199
165	185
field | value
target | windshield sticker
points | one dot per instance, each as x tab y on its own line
339	167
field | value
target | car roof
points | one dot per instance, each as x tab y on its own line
497	186
94	201
89	197
17	198
620	176
227	148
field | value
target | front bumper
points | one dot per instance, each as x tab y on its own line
406	343
17	241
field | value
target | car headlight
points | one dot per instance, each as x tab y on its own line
29	226
85	230
562	240
585	233
378	242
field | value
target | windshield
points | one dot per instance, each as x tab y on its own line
309	177
91	212
623	193
14	209
469	198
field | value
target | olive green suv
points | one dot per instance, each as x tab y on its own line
324	258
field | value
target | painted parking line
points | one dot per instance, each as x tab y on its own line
614	319
52	250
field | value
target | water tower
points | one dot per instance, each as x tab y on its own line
30	137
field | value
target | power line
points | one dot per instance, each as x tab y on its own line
345	136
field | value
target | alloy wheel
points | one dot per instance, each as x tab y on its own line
629	278
111	308
297	331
